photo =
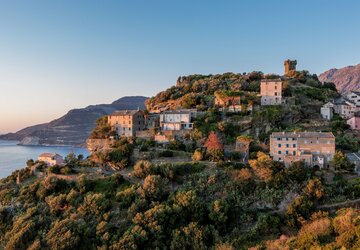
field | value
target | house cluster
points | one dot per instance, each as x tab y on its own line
138	123
271	93
348	107
314	148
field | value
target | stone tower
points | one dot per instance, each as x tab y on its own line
290	67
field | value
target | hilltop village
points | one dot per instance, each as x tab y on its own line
315	146
225	161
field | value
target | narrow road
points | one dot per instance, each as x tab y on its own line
355	202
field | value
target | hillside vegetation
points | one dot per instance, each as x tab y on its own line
194	193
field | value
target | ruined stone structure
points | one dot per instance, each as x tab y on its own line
290	67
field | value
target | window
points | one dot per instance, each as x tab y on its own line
279	139
279	145
294	145
279	152
287	145
294	153
286	152
287	139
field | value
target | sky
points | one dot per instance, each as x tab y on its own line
59	55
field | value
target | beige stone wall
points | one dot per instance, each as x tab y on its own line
127	125
316	146
271	92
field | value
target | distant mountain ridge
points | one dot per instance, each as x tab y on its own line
74	127
346	79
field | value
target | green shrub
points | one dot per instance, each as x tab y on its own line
166	153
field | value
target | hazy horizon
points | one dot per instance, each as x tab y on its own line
56	56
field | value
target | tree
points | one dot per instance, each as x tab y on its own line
299	210
153	187
71	160
214	146
142	168
244	175
262	166
191	236
346	225
30	162
218	211
341	162
63	235
198	155
315	189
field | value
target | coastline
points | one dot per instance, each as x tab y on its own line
13	156
44	145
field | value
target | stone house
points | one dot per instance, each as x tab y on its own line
228	103
177	119
354	158
354	97
127	122
271	91
314	148
344	107
354	121
327	111
51	159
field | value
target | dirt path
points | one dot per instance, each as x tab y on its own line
347	203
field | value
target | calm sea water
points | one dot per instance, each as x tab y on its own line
13	156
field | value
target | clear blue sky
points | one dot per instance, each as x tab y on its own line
58	55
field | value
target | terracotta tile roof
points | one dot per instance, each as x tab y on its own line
302	134
49	155
271	80
356	92
124	112
179	111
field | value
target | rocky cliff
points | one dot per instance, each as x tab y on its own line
346	79
74	127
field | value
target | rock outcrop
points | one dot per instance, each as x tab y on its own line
30	141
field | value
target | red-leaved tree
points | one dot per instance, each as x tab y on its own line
214	147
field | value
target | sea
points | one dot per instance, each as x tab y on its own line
14	156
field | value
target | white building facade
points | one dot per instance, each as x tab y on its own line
177	119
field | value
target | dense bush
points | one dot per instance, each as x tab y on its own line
166	153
